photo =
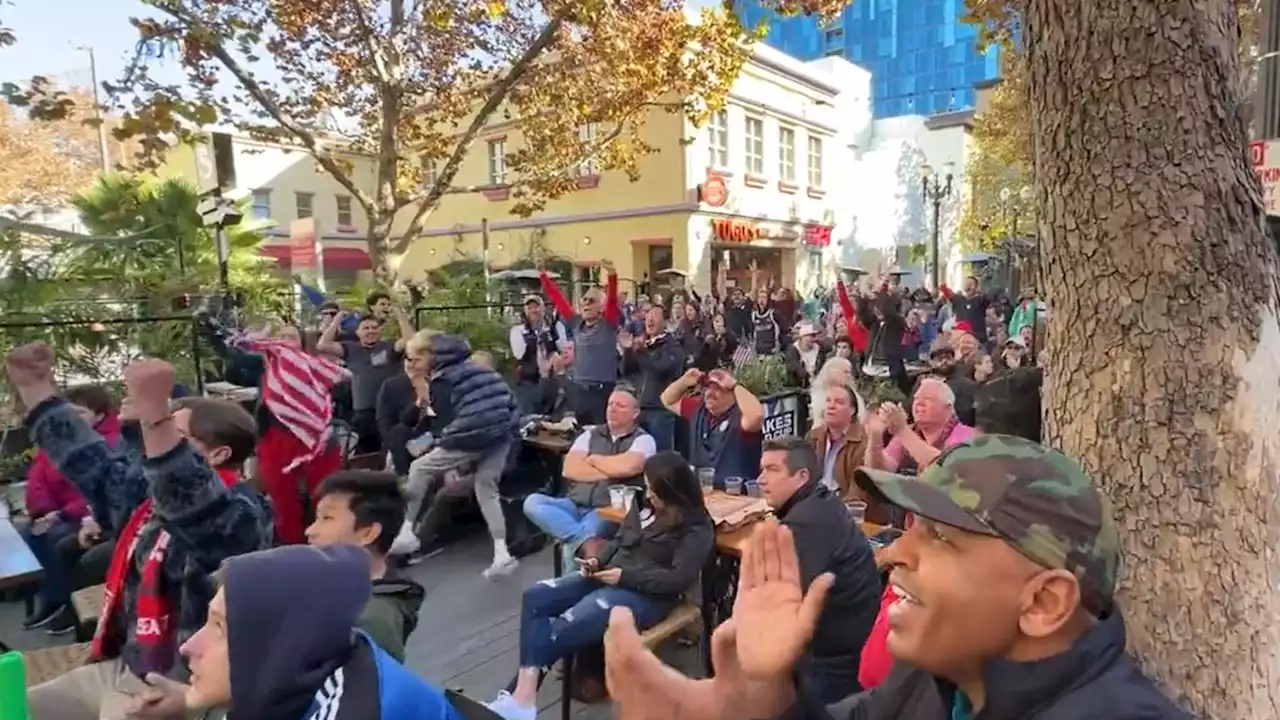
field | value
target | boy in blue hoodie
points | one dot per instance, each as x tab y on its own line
266	655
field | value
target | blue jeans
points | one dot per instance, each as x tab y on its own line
563	615
565	521
661	424
55	584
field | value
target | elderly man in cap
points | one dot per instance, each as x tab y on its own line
1005	609
805	357
724	422
536	344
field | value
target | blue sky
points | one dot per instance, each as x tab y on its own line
49	30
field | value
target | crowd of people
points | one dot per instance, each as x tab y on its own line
1001	557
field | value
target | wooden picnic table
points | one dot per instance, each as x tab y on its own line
546	440
730	539
18	565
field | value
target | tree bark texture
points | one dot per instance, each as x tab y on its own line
1164	347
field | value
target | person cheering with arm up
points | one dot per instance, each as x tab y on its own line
372	361
724	422
178	521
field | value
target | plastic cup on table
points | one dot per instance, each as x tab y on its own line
707	479
751	488
618	496
733	485
857	510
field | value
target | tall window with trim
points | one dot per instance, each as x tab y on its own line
755	146
718	135
262	204
497	162
787	154
345	220
588	136
815	162
304	204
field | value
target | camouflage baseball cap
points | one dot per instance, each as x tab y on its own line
1035	498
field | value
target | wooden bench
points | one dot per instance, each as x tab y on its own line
49	663
685	615
87	602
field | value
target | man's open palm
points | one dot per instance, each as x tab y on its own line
777	618
29	365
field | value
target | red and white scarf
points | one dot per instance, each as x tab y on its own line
296	390
153	629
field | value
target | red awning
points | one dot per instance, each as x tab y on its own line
336	258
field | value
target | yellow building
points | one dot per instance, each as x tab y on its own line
753	186
285	185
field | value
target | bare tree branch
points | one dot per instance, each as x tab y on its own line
541	43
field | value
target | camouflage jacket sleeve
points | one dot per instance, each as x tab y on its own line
111	484
210	520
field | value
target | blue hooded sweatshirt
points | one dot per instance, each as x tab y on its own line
291	614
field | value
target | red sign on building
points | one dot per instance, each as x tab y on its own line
302	243
818	236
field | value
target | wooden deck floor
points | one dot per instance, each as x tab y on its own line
467	632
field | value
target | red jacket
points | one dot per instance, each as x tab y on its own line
876	660
49	491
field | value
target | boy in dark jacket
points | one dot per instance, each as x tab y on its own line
365	508
482	420
177	520
263	655
1005	612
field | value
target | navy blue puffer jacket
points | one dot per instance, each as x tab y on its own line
484	410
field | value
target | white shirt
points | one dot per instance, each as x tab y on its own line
518	346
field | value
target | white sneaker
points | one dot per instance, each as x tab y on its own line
507	708
406	542
501	567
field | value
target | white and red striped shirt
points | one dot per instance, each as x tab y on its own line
296	390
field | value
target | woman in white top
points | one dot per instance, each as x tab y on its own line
835	371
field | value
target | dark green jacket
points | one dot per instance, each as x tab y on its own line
392	613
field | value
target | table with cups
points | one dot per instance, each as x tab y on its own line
735	505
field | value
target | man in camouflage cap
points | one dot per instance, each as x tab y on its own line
1003	609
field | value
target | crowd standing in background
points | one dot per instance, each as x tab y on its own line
989	592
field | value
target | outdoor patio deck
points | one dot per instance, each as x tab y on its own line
467	629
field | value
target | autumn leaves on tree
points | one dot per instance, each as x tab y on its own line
414	85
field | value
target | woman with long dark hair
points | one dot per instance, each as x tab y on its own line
663	544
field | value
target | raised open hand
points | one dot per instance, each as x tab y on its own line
770	601
643	688
30	365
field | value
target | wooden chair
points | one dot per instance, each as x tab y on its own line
49	663
87	602
685	615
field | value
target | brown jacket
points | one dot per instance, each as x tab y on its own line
850	456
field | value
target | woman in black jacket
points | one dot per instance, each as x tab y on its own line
662	546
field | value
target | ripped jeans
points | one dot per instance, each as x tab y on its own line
563	615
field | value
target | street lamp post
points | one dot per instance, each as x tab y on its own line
1012	205
936	189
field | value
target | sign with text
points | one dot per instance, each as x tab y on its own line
1266	165
781	417
744	231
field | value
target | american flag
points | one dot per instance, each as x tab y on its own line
296	390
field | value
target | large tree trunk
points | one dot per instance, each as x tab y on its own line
1164	348
378	239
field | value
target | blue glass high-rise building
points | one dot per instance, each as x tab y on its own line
923	59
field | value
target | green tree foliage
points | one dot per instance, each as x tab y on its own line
147	249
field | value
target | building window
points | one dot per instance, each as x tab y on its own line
428	173
344	212
787	154
718	134
262	204
815	162
755	146
815	264
833	38
498	162
304	202
588	136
